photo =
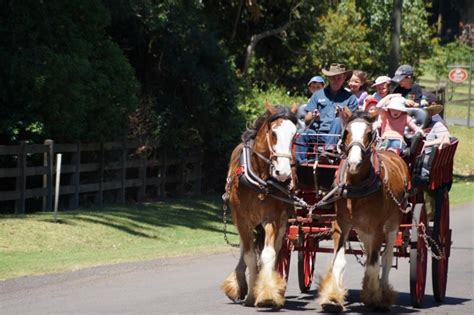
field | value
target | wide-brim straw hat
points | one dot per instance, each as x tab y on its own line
434	109
397	103
337	68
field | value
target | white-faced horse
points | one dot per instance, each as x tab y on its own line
261	219
375	216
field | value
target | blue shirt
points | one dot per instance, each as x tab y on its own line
325	103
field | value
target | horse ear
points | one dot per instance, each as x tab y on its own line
345	113
269	107
294	108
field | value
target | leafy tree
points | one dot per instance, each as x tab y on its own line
185	71
343	39
62	75
415	36
449	54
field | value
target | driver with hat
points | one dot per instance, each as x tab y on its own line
321	111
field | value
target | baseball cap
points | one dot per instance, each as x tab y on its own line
402	72
380	80
316	78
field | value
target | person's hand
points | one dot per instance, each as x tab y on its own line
411	103
310	117
445	141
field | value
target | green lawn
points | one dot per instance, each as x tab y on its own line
35	245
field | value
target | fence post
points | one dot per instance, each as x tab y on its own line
198	174
162	174
48	177
100	192
21	179
142	173
182	178
76	179
123	174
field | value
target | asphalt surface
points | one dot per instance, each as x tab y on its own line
190	285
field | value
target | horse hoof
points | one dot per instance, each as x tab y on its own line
268	304
332	307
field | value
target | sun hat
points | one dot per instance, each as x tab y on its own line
337	68
317	79
397	103
402	72
434	109
380	80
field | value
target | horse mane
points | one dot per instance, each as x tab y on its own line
280	111
360	114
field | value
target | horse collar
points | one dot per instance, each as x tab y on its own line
368	186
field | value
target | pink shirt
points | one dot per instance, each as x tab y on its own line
393	128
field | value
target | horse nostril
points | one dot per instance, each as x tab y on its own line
277	172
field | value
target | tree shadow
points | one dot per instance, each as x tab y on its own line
141	220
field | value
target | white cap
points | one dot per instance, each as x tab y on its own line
380	80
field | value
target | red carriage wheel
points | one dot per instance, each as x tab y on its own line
284	257
418	255
306	260
442	236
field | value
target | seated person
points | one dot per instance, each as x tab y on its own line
382	87
393	119
437	138
321	112
406	86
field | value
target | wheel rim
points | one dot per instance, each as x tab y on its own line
309	258
284	257
418	257
442	235
421	260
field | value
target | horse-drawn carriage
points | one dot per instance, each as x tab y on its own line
353	194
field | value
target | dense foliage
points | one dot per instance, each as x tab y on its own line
454	53
62	77
175	70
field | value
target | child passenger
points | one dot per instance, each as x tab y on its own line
358	85
393	119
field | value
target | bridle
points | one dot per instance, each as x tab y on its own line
366	149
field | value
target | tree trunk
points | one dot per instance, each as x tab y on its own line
236	21
394	58
254	41
439	26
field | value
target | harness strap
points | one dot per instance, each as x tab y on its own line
273	152
368	186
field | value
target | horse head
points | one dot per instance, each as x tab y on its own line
279	134
357	138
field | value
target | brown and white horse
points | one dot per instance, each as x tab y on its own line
375	217
260	219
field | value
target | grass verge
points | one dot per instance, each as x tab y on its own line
34	244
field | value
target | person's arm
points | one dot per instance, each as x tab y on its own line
352	103
311	110
313	101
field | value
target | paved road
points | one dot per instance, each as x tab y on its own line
190	285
